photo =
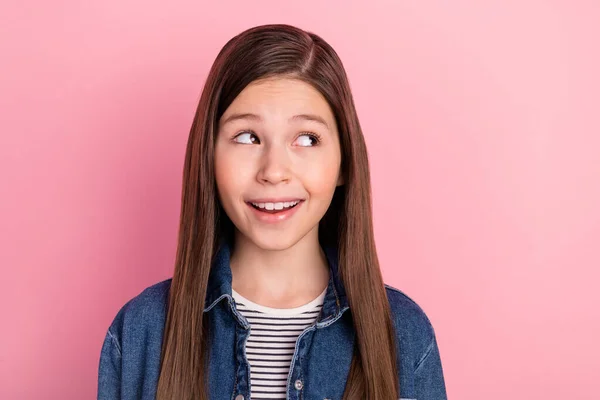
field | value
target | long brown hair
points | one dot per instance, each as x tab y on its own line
261	52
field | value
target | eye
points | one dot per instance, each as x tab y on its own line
246	138
305	139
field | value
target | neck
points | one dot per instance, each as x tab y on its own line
279	278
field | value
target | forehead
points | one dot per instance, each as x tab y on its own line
280	97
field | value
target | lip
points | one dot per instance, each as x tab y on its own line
274	200
274	218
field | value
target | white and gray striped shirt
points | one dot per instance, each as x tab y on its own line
271	343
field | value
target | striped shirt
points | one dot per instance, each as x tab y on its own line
270	346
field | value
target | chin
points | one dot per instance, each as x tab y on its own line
271	245
273	241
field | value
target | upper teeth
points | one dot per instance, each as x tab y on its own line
276	206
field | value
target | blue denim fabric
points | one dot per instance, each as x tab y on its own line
130	356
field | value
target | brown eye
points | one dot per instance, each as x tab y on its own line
246	138
308	140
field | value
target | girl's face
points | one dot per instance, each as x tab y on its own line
277	162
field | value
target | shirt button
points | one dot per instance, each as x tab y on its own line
239	397
298	384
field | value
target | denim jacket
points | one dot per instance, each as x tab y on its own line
130	356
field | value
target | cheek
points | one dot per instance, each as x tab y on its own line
321	178
224	174
231	175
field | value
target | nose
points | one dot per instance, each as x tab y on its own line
275	165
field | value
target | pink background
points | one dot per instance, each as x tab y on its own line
482	122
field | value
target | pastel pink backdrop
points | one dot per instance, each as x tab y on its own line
482	125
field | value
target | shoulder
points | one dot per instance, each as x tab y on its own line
413	327
146	310
407	310
131	349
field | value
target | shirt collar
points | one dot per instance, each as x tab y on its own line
219	284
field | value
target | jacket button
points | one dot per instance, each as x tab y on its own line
239	397
298	384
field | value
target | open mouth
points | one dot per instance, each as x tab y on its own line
275	208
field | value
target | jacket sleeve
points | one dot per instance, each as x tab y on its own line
429	376
109	372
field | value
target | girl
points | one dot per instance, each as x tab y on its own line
277	291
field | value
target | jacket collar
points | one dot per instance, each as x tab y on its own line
219	284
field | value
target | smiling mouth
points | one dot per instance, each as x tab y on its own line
270	208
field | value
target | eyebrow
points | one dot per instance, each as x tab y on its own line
255	117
